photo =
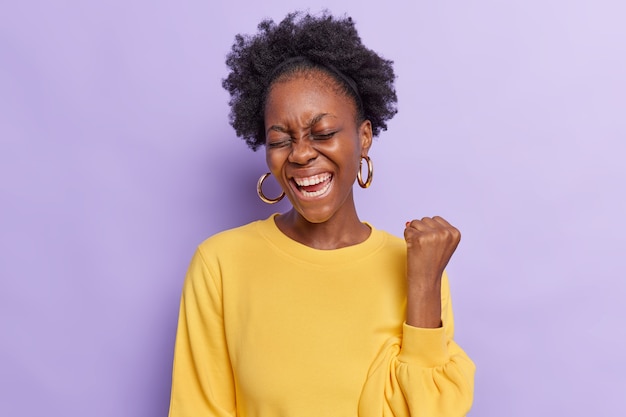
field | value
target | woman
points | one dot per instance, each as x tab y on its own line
313	312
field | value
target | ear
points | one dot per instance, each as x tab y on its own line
365	136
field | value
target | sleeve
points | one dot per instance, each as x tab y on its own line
423	374
202	379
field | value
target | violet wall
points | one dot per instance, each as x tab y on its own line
116	160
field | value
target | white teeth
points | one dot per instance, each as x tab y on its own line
316	193
315	179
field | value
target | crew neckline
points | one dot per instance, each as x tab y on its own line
320	257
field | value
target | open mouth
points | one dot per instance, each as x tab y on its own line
314	185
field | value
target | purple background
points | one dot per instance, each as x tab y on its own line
116	160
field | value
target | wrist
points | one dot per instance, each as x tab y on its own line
424	307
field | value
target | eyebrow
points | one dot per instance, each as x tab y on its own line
313	121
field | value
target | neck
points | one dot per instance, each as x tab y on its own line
341	230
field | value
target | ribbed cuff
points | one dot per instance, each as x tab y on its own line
423	347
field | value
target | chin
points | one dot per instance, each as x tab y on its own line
314	217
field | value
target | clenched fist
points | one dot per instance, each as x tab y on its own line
430	244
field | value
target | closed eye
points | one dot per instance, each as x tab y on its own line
323	136
279	143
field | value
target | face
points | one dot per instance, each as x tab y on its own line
314	145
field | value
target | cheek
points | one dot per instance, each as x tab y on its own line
268	158
274	161
352	153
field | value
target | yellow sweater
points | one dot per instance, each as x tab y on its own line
269	327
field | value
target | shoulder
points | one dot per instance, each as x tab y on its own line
390	241
390	250
226	249
232	239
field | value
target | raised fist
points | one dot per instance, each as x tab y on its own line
430	244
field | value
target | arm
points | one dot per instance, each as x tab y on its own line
202	380
423	374
445	383
430	244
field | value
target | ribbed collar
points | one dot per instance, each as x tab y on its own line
317	257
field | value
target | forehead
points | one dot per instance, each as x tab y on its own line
307	92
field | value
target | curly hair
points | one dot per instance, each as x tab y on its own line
302	42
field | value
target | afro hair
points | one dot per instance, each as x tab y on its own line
303	41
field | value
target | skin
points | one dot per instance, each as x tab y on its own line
312	132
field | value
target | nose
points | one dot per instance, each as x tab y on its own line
302	151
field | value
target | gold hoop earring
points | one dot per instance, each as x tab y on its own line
370	172
259	191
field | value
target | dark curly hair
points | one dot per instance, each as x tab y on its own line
303	42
